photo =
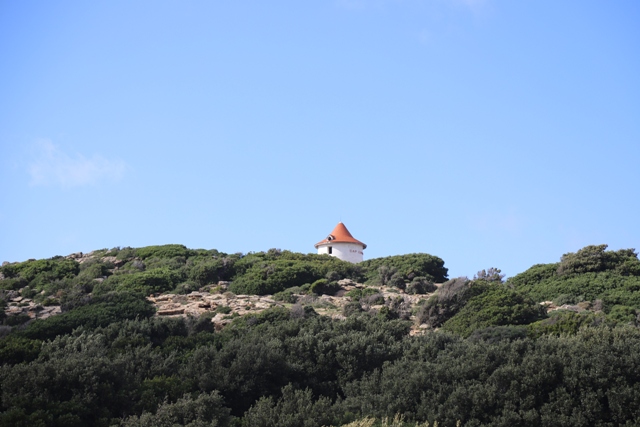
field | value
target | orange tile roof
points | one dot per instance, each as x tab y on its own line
340	234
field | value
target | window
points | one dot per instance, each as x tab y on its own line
330	250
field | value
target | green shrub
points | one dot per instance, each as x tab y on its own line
100	311
323	286
623	314
13	284
358	293
449	300
16	320
595	259
15	349
285	296
186	288
275	276
223	309
564	322
146	282
351	308
591	273
163	251
567	299
420	285
497	306
407	266
495	334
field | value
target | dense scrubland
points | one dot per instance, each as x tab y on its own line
557	345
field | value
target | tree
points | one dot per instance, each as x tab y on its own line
490	275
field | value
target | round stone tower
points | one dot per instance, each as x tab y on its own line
341	244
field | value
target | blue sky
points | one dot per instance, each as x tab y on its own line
489	133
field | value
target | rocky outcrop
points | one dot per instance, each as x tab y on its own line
21	306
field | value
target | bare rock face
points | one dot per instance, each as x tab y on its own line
198	303
19	305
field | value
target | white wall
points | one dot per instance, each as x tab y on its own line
351	252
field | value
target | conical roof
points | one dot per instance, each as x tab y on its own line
340	234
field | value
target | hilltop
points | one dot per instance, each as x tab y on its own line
166	335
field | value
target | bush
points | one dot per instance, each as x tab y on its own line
623	314
563	322
207	409
15	349
286	296
38	273
351	308
567	299
275	276
13	284
147	282
358	293
448	300
497	306
186	288
100	311
594	259
163	251
495	334
324	287
407	267
223	309
590	274
420	285
16	320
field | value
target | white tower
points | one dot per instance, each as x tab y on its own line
341	244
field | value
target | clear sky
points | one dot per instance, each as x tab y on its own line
491	133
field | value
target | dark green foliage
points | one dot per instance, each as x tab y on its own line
15	349
624	314
212	270
495	334
124	253
38	274
586	379
359	293
286	296
164	251
16	319
186	287
100	311
274	272
13	283
496	306
206	410
407	266
95	269
420	285
146	282
534	275
270	278
224	309
595	259
565	322
351	308
324	287
296	408
490	275
448	300
107	361
589	274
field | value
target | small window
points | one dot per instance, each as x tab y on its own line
330	250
